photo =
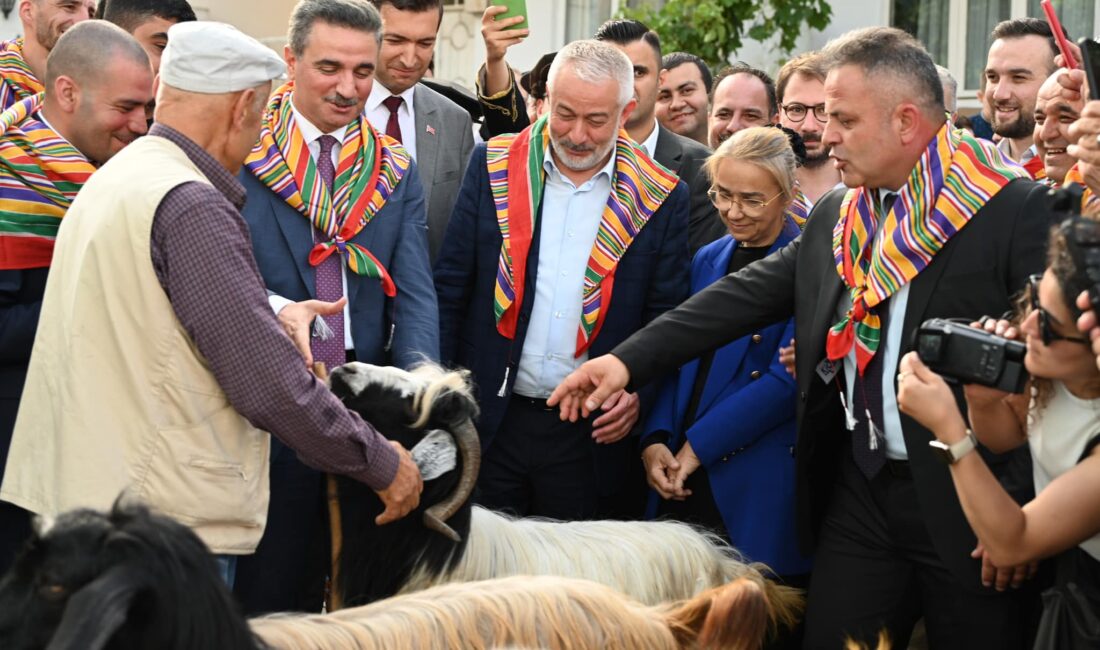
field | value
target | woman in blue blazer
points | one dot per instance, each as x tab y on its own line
718	445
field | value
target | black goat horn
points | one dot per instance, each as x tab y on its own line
97	610
469	446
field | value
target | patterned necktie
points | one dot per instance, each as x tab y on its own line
329	281
393	127
868	438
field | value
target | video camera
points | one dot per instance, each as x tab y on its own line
970	355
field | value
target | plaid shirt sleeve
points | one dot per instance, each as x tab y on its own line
202	254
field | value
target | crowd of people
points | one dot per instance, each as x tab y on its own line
680	292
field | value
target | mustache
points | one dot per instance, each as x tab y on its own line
340	100
575	148
811	137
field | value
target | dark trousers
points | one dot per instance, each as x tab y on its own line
287	571
875	568
538	465
15	522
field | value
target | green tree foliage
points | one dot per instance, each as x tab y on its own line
714	29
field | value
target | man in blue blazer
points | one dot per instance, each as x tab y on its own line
524	298
743	429
336	211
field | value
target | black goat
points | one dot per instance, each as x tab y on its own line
122	580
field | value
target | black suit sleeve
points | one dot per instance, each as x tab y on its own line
758	295
20	304
1029	241
504	112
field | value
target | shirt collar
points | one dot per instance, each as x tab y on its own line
219	176
650	143
378	93
550	166
309	130
41	115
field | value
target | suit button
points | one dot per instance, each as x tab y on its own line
725	459
756	338
802	396
755	374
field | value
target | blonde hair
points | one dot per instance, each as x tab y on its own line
764	146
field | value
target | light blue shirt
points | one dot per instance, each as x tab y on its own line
568	225
890	351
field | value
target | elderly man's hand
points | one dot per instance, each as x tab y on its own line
1085	132
589	387
619	417
297	321
403	493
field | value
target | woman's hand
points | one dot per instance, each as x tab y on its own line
660	468
984	396
926	397
689	462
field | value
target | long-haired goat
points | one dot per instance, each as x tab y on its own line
132	579
653	562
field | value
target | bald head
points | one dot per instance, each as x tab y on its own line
86	51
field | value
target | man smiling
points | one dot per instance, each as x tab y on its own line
1054	114
1020	59
682	101
23	60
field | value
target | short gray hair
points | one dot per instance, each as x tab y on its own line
890	54
950	87
595	62
359	15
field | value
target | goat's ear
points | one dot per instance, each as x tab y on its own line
454	406
95	612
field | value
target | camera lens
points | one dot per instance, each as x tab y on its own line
928	347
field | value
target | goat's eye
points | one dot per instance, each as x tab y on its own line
53	591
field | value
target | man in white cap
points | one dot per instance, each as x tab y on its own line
158	364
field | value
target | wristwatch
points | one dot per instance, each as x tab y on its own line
950	454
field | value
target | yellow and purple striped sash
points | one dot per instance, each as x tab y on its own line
955	177
370	165
17	82
1075	177
516	180
40	174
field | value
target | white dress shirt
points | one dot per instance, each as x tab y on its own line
378	115
890	349
312	135
650	143
568	225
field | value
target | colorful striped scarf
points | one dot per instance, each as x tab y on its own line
955	177
369	167
1075	177
800	207
40	174
1036	168
517	179
17	82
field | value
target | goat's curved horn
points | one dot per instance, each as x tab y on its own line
469	446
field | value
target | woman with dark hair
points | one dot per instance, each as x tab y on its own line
1058	416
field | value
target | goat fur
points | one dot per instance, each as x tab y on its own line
134	579
651	561
530	612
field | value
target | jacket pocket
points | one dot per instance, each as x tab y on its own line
214	472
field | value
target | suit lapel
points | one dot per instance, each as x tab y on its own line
298	233
921	289
365	238
669	152
427	142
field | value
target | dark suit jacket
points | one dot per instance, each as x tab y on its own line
397	236
976	273
743	430
20	303
685	157
651	278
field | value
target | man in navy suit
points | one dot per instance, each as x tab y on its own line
549	224
369	284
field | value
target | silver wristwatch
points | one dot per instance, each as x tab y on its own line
950	454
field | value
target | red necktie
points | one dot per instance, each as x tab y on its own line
393	127
328	277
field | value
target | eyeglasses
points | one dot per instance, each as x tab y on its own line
751	207
796	112
1046	332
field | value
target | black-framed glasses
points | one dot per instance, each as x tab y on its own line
1046	332
796	112
750	206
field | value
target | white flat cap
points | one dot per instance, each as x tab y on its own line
214	58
